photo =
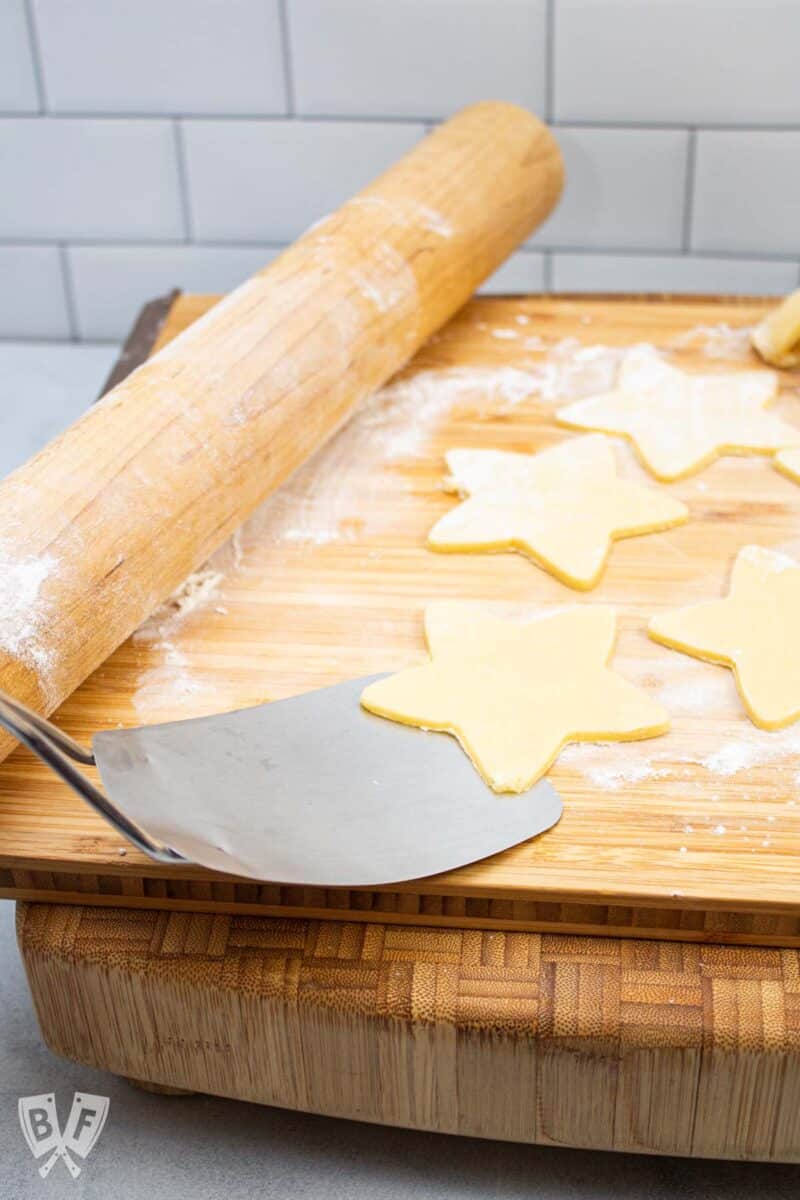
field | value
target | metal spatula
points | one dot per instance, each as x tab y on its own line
311	790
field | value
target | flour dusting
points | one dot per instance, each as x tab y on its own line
385	278
614	765
572	370
698	689
25	611
398	418
773	561
688	690
407	211
598	763
166	686
755	748
718	341
196	591
311	537
433	220
164	689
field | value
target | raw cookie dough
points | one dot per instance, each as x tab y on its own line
680	422
755	631
788	463
562	507
514	694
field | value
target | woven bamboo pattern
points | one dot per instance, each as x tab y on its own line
660	1047
606	1043
540	985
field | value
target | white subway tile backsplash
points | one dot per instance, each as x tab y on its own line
522	272
416	58
747	191
679	273
152	56
72	178
111	283
18	91
677	61
624	189
178	137
269	180
33	303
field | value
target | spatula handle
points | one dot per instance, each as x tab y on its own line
60	752
108	519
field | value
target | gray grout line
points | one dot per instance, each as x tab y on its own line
36	55
79	343
183	181
671	252
83	243
386	119
688	194
273	118
69	293
76	343
678	126
286	51
550	60
278	244
367	118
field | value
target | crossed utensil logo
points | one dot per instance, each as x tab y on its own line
39	1121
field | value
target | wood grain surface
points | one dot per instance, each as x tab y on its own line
329	581
597	1042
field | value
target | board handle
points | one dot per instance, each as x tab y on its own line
101	526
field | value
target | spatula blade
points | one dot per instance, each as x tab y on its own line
314	790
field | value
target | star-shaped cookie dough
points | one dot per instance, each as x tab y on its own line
788	463
562	507
514	694
755	630
680	422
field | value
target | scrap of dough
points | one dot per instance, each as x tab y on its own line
680	422
515	694
755	631
777	337
788	463
562	507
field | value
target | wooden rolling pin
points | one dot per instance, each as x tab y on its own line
101	526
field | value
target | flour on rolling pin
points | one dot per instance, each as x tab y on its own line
25	611
408	211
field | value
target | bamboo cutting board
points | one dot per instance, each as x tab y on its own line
693	836
608	1043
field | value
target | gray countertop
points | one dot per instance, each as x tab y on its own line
201	1146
